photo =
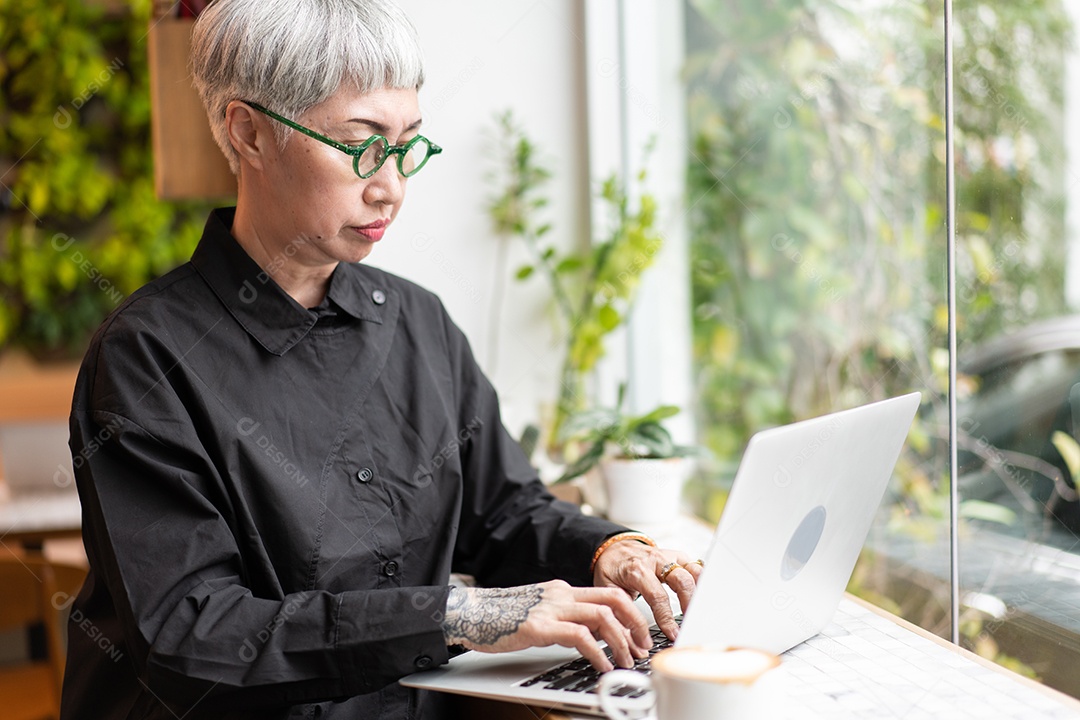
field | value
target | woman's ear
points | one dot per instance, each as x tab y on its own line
250	137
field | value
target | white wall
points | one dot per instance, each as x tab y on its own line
636	96
483	57
590	101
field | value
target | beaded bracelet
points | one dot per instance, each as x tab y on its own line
619	537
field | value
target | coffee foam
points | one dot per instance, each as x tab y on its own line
735	665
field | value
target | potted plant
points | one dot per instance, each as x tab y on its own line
592	286
642	468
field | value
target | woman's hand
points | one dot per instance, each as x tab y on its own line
550	613
638	568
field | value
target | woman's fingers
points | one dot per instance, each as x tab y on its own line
637	568
601	621
502	619
682	581
572	635
627	615
653	591
675	571
695	567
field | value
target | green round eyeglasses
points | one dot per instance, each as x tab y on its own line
370	155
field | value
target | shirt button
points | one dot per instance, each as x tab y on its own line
378	297
390	569
423	662
365	475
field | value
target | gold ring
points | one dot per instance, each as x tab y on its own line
699	561
666	570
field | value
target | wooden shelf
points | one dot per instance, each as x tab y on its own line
187	162
30	392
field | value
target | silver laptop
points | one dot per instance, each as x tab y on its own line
798	514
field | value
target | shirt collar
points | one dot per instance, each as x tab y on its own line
257	302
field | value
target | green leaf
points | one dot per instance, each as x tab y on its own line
982	257
661	413
609	318
655	438
855	189
524	272
583	464
1070	452
990	512
569	264
590	424
812	224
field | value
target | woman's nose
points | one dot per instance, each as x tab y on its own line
386	186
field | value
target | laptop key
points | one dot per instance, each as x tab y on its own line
579	675
563	683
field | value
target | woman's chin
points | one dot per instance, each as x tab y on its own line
352	250
358	254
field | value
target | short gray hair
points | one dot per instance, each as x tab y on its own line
290	55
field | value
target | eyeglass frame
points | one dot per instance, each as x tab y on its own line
356	151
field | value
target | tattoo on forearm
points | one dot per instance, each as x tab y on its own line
482	616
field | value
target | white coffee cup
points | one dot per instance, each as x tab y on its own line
693	683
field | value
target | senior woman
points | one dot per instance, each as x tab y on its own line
283	453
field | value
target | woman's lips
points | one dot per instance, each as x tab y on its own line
373	231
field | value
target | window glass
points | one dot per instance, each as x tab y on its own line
816	183
1018	344
818	242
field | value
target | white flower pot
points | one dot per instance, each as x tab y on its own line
644	491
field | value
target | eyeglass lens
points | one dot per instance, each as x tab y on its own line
374	156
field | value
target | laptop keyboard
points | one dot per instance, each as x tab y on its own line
579	676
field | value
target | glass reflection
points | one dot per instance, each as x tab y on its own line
1019	347
816	195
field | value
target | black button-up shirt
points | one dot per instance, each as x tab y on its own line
274	497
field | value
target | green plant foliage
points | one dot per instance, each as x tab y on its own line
633	436
80	227
593	286
811	216
816	182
